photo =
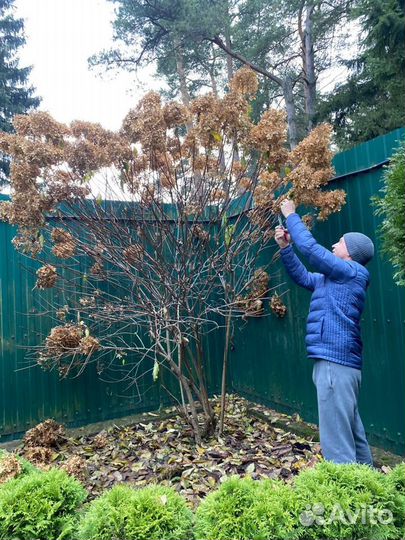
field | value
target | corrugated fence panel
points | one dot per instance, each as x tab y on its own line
28	394
269	362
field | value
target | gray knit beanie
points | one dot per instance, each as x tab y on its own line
359	246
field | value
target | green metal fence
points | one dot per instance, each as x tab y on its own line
28	394
267	362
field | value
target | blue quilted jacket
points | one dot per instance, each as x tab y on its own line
338	295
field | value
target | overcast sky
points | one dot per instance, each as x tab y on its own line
61	35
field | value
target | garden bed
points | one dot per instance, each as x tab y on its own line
163	451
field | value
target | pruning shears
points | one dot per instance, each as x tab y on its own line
280	222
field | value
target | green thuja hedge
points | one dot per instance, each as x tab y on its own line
151	513
227	512
347	502
246	509
391	206
397	478
41	505
328	502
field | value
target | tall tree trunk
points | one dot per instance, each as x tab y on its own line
308	63
229	71
181	72
290	108
229	61
211	71
227	34
214	84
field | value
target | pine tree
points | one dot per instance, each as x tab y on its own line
370	102
15	96
198	43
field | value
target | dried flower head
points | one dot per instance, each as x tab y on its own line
134	253
308	220
88	345
28	242
252	303
100	440
235	117
87	301
5	208
265	190
46	277
245	184
175	114
75	466
208	117
329	202
315	148
10	467
97	269
62	313
200	233
65	244
40	456
277	306
62	340
47	434
260	283
270	136
312	170
148	195
245	82
146	124
254	307
40	125
192	209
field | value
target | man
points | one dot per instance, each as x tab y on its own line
333	330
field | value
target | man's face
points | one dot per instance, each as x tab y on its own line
340	249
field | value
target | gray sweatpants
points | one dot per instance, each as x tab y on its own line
342	435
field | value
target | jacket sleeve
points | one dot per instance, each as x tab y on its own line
319	257
297	271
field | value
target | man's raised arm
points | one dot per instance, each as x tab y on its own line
319	257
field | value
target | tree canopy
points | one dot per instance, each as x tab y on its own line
197	44
370	102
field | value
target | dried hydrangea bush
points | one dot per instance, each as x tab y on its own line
146	278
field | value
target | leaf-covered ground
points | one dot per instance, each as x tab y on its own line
163	451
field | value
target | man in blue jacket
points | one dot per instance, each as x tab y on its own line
333	330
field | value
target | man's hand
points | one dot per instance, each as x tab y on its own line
282	237
287	207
